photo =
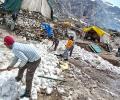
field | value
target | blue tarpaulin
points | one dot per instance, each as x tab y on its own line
48	29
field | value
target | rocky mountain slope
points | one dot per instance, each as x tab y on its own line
97	12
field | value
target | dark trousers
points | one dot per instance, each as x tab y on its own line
55	47
31	67
65	54
71	50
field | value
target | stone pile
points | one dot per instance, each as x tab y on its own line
28	25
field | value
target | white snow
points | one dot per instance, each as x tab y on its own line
112	3
117	19
10	90
109	4
93	0
95	60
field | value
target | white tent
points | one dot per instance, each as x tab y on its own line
39	6
45	9
32	5
105	38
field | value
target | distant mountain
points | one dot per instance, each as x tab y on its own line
97	12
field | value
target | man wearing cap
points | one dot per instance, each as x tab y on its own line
29	57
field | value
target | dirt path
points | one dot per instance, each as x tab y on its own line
54	96
85	82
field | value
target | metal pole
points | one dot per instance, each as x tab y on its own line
52	78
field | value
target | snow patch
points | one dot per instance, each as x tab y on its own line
10	89
117	19
95	60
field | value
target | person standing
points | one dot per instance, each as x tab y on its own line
30	60
55	43
118	52
69	48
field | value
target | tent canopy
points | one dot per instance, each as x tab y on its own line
99	31
12	5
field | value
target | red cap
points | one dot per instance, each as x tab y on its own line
8	40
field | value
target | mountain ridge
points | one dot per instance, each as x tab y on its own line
97	12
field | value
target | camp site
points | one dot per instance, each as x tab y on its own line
59	50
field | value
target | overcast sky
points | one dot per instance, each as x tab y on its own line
114	2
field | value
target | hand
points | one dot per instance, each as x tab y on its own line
9	68
19	67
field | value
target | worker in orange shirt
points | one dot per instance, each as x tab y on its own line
69	48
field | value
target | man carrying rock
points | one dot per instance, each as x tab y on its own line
29	58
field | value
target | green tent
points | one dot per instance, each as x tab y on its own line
12	5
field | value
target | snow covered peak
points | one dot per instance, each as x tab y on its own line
112	2
108	3
92	0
